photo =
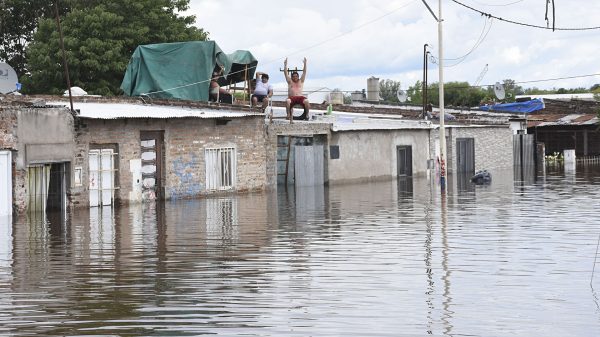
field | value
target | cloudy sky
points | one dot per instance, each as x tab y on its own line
348	41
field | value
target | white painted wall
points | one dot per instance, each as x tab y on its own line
5	183
366	155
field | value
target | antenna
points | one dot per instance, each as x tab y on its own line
499	91
8	79
480	77
402	96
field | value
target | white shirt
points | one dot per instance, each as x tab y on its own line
262	88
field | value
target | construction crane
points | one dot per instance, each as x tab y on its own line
480	77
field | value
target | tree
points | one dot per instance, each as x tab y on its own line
457	94
388	89
415	92
18	20
100	37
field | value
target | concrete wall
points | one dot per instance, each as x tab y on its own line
493	146
185	140
35	135
318	130
45	136
368	155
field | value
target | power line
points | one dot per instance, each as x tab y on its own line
299	50
498	5
522	23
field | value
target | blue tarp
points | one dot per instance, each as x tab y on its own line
523	107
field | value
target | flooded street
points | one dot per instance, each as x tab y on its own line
373	259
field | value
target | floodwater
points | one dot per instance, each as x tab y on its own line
514	258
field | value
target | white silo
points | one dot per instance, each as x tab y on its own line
373	89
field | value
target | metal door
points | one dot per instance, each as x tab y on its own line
101	177
465	155
404	161
308	165
5	183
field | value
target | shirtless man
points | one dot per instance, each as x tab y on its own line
295	87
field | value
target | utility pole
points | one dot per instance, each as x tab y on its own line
441	92
441	86
424	80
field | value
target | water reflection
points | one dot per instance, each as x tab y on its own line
365	259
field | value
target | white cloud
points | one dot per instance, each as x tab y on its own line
347	42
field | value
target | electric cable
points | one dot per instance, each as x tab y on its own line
522	23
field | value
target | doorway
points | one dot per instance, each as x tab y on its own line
47	187
404	160
465	155
151	149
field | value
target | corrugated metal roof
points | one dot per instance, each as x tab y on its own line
125	110
560	119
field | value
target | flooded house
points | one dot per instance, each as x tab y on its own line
567	124
113	151
122	151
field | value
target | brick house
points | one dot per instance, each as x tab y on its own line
122	151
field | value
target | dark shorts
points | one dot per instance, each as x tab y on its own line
297	100
259	98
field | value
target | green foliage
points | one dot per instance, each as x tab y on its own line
457	94
18	21
388	89
415	92
99	38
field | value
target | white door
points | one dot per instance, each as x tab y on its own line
94	177
5	183
107	180
101	177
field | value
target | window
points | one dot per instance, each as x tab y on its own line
220	168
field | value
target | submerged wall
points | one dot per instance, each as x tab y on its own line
35	135
185	141
372	154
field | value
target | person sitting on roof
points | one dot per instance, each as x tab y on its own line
263	90
216	93
295	87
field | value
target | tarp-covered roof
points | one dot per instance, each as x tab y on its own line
242	63
523	107
182	70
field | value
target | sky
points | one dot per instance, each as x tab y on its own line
347	42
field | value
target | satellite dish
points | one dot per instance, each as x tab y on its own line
8	79
499	90
402	96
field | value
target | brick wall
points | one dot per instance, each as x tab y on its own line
493	146
185	140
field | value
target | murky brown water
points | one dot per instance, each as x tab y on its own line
378	259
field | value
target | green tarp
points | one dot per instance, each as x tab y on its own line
242	63
182	70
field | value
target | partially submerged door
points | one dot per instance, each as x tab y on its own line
151	143
404	158
308	165
465	155
101	177
5	183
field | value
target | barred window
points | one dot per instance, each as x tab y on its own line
220	168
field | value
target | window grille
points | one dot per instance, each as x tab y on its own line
220	168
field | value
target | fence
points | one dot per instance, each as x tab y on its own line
588	160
